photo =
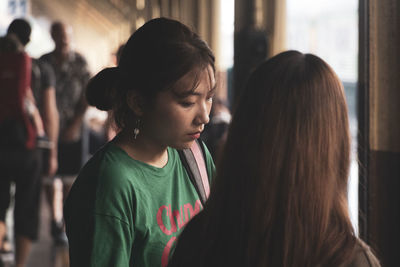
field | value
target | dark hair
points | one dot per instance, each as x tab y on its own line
119	52
155	57
280	195
56	26
22	29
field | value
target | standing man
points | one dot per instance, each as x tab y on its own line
72	75
24	165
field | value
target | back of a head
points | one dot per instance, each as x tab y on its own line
286	162
156	56
10	44
22	29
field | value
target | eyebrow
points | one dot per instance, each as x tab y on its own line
186	93
193	92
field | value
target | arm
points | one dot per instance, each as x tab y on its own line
51	125
33	112
72	132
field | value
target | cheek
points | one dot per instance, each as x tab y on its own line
173	120
181	118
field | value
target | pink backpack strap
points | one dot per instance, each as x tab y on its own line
198	155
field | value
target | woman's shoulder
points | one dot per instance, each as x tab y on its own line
112	157
104	184
363	256
106	158
108	166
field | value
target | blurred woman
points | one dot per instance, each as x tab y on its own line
280	193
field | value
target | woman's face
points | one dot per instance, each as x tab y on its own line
178	115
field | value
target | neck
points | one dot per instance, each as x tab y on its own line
61	54
142	149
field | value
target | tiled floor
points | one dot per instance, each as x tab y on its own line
44	254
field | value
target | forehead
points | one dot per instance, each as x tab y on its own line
191	81
62	30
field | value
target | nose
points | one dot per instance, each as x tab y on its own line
203	114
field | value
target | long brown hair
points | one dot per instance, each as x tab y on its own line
280	195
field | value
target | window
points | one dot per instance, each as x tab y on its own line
329	29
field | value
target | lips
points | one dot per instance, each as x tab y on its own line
195	135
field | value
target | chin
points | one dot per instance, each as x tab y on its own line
183	145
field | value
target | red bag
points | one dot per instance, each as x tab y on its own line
15	77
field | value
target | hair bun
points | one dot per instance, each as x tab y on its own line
100	88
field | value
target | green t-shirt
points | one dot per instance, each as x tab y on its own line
123	212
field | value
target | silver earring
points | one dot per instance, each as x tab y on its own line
136	129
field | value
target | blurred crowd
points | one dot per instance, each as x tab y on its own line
45	137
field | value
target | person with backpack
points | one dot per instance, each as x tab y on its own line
280	191
135	195
20	125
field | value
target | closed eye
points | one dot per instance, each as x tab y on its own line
186	104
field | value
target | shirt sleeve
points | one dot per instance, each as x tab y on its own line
48	78
112	242
99	219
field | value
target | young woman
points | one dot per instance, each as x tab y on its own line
134	196
280	192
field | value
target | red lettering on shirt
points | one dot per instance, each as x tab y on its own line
167	249
188	207
179	218
180	221
160	221
177	215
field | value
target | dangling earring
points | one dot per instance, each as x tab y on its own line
136	129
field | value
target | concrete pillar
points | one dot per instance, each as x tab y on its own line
380	89
250	44
164	8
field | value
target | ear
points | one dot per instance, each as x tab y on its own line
135	103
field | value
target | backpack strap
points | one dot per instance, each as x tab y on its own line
193	159
199	154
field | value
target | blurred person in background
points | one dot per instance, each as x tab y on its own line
43	88
72	74
21	129
214	134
